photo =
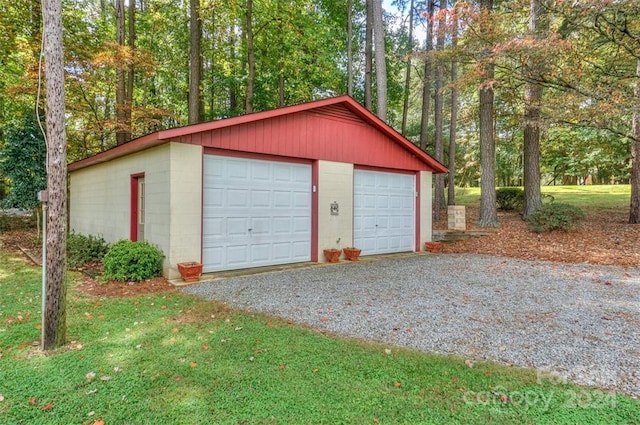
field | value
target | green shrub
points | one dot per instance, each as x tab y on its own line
136	261
82	249
509	198
555	216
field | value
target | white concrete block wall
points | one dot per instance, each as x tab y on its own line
185	210
100	200
335	183
426	224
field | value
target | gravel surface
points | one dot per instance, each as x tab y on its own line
575	322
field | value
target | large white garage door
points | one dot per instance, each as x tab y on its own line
384	212
256	213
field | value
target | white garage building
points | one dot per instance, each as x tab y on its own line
268	188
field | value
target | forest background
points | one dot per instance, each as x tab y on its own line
545	87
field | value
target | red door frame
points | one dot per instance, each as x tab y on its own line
133	234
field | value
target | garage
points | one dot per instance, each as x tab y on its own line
270	188
384	212
255	213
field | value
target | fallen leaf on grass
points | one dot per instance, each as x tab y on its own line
1	397
47	407
99	422
33	401
397	384
282	366
90	376
193	364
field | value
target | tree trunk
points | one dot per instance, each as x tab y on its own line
54	315
488	209
634	210
128	101
532	100
195	63
407	72
381	63
251	58
350	48
438	201
368	57
426	85
121	92
453	124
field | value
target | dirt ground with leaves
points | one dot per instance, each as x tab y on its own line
603	238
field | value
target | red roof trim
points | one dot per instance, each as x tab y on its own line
163	136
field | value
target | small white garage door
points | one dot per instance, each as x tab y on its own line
384	212
256	213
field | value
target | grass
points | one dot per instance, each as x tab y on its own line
174	359
601	196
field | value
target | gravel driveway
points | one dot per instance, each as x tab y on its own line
579	321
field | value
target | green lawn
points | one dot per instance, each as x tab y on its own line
602	196
174	359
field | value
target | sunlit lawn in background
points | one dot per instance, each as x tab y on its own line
585	196
174	359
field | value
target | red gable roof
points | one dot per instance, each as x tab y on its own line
313	130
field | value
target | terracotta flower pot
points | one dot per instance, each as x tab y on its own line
352	254
433	246
332	255
190	271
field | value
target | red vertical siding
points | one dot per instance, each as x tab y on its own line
315	136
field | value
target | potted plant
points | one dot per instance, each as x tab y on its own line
352	253
190	271
433	246
332	255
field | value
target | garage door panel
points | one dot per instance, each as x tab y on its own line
237	198
273	199
384	212
301	225
281	251
237	254
282	199
260	199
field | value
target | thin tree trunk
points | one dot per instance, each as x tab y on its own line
128	110
251	58
121	93
453	124
634	210
407	72
426	85
438	201
280	18
488	209
54	314
381	63
233	90
350	47
195	63
368	57
532	100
